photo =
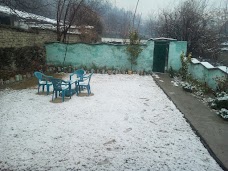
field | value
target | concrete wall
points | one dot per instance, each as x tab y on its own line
206	73
15	37
102	55
109	55
175	50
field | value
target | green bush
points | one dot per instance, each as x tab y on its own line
134	49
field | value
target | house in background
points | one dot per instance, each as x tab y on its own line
28	21
22	19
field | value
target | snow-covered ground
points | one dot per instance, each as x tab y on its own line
127	124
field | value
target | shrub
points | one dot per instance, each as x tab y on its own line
221	101
223	113
134	48
222	84
185	62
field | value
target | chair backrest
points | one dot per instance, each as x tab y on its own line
38	75
57	84
80	73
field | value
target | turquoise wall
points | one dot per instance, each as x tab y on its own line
109	55
206	75
198	72
212	75
175	50
102	55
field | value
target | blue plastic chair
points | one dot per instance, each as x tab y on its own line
60	86
80	73
85	84
43	80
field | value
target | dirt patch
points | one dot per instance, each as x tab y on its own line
59	100
85	94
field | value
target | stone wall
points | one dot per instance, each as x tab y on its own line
15	37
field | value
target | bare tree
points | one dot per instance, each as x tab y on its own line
150	25
66	14
87	16
190	22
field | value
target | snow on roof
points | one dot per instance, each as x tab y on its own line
224	49
119	40
207	65
224	43
195	61
223	68
26	15
163	38
89	27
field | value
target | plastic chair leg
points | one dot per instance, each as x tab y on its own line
76	89
63	94
53	95
47	89
88	90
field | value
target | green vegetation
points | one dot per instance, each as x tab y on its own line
134	49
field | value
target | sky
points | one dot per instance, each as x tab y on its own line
147	7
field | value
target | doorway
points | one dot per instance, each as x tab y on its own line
161	50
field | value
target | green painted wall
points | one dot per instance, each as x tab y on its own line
198	72
206	75
212	75
175	50
109	55
102	55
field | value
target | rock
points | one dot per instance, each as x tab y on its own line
7	81
28	75
110	142
17	78
12	80
222	102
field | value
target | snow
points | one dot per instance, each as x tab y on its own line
127	124
163	38
174	83
26	15
224	43
195	61
107	40
207	65
224	49
224	68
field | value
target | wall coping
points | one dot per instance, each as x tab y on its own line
208	66
100	43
